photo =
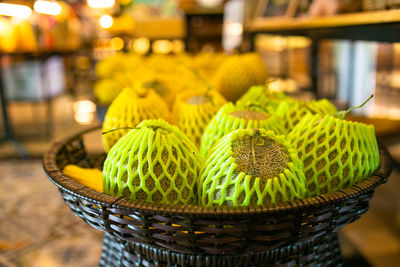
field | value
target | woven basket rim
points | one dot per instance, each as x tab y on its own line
76	189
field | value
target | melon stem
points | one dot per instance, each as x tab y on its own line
344	113
141	92
120	128
248	106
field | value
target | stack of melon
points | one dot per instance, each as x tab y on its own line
169	75
266	148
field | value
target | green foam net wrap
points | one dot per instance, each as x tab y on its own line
221	182
155	162
106	90
193	118
259	95
128	110
223	123
296	110
336	153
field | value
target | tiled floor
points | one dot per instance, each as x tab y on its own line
38	229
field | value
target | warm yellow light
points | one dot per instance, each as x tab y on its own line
47	7
280	43
106	21
234	28
280	85
12	10
178	46
4	26
209	3
101	3
396	47
298	42
84	111
162	46
125	2
117	43
141	45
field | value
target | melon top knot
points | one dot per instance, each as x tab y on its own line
197	100
249	115
260	156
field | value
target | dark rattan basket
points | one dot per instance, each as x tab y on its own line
138	233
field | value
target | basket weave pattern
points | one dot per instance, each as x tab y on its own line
119	253
202	230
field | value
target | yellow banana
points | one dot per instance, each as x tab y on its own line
92	178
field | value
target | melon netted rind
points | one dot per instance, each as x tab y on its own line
106	90
155	162
336	153
106	67
193	118
206	64
223	123
259	95
128	110
322	107
257	65
222	184
238	73
115	64
295	110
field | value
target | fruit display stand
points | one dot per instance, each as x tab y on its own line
138	233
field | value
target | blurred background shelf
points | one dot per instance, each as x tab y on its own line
334	21
353	50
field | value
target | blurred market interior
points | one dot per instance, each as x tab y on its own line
340	50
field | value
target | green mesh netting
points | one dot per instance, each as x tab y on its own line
194	109
322	107
259	95
336	153
223	123
159	86
128	110
155	162
106	90
296	110
223	183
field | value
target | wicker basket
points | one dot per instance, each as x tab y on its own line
301	232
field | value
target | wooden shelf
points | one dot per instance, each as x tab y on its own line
340	20
198	10
172	28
